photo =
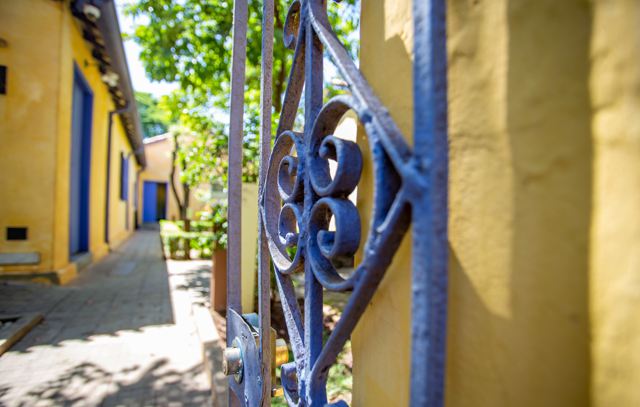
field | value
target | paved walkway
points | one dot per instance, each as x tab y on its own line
122	334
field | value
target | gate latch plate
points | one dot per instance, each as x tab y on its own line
248	387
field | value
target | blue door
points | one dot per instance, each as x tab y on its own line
149	202
154	201
81	112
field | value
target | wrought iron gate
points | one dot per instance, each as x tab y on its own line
298	196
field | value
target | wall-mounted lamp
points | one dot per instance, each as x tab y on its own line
110	78
91	12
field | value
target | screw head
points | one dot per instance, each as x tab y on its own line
232	361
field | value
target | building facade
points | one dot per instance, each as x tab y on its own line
157	200
70	135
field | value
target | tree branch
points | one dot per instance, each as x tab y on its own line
172	176
281	75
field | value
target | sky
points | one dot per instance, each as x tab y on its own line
138	76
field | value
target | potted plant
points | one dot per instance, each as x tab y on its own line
219	267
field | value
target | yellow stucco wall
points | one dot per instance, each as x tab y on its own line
249	230
615	232
544	198
384	330
520	203
28	141
44	43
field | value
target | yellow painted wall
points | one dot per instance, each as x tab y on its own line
615	232
44	43
28	124
384	330
520	205
249	230
117	218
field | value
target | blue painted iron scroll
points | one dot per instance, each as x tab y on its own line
299	195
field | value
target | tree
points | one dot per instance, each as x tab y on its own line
183	202
202	152
190	42
154	119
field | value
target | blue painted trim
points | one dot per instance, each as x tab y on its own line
430	212
85	161
149	199
124	178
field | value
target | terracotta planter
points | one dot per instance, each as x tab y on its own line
219	280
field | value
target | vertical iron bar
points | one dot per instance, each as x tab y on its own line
430	212
313	98
236	119
264	266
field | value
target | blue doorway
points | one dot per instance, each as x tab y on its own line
81	123
154	201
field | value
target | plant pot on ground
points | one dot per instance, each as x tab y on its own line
219	280
219	267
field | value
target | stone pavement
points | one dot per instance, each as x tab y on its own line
122	334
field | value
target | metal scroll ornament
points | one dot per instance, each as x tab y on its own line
301	195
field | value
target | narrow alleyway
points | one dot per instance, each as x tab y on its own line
122	334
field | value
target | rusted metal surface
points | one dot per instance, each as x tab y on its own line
264	263
234	282
246	380
299	196
235	154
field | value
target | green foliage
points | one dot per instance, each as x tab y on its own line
154	119
190	42
200	156
219	224
204	236
339	382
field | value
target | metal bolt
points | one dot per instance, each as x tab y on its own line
232	361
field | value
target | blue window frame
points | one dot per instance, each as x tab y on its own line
124	177
80	163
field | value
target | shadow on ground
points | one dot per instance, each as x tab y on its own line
120	334
196	279
127	290
156	385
